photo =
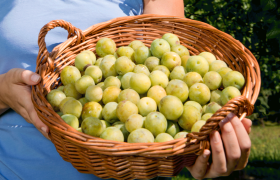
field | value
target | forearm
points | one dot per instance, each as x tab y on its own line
3	106
164	7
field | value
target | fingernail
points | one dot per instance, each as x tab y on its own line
215	137
44	129
35	77
206	153
227	119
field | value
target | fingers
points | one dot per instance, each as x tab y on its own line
243	140
247	123
18	75
200	166
219	165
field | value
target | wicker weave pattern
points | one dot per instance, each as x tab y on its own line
119	160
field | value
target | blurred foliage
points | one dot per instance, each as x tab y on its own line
256	24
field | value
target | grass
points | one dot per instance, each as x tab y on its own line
264	160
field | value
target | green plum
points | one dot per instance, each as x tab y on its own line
72	106
105	46
235	79
213	80
94	93
60	88
156	93
216	97
180	50
146	105
178	73
92	109
112	81
61	104
110	94
95	73
184	60
98	61
163	69
171	107
206	116
191	78
194	104
136	44
121	126
216	65
156	123
71	120
172	128
126	79
124	65
197	64
197	126
101	84
170	60
113	134
141	54
140	83
70	91
83	83
83	101
125	109
126	51
208	56
140	136
151	62
134	121
163	137
190	115
178	88
130	95
55	97
105	124
107	66
92	126
141	68
159	47
172	39
180	135
69	74
158	77
109	112
83	60
223	71
200	93
212	107
229	93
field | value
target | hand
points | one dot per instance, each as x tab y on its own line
15	93
229	152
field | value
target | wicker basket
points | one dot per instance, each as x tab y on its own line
121	160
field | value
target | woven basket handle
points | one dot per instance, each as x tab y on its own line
43	54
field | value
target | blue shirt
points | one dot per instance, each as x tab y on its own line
24	152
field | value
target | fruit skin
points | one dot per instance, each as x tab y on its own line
111	94
83	83
172	39
191	78
194	104
70	91
105	124
124	65
212	107
216	65
171	107
180	50
197	64
146	105
180	135
158	77
216	97
206	116
125	109
83	59
178	73
140	136
229	93
105	46
109	112
223	71
197	126
71	120
120	125
213	80
113	134
98	61
235	79
156	123
134	121
72	106
184	60
60	88
200	93
94	93
55	97
92	126
69	74
126	79
141	54
112	81
101	84
107	66
151	62
95	73
178	88
136	44
129	95
163	69
156	93
126	51
159	47
140	83
92	109
190	115
163	137
141	68
172	128
170	60
208	56
61	104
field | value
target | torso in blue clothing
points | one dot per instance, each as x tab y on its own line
24	152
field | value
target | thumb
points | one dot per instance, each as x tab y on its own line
23	76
